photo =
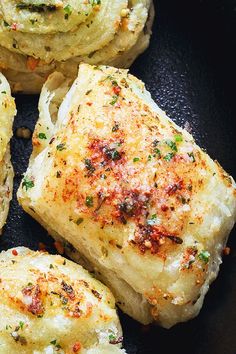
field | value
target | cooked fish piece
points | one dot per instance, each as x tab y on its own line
52	305
143	205
38	38
7	112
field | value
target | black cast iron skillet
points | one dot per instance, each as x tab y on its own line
189	69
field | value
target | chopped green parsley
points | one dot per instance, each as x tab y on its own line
95	2
204	256
114	100
21	324
27	183
152	220
89	201
68	11
169	156
191	155
172	145
115	128
89	166
178	138
79	221
36	8
61	147
42	136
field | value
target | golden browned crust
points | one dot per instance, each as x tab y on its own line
55	306
37	39
132	191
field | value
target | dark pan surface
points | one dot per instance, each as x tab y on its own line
189	69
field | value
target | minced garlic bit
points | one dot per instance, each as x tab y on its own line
125	12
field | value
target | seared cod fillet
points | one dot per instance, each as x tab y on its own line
7	112
52	305
139	201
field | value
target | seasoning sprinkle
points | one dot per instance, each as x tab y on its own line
89	201
61	147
